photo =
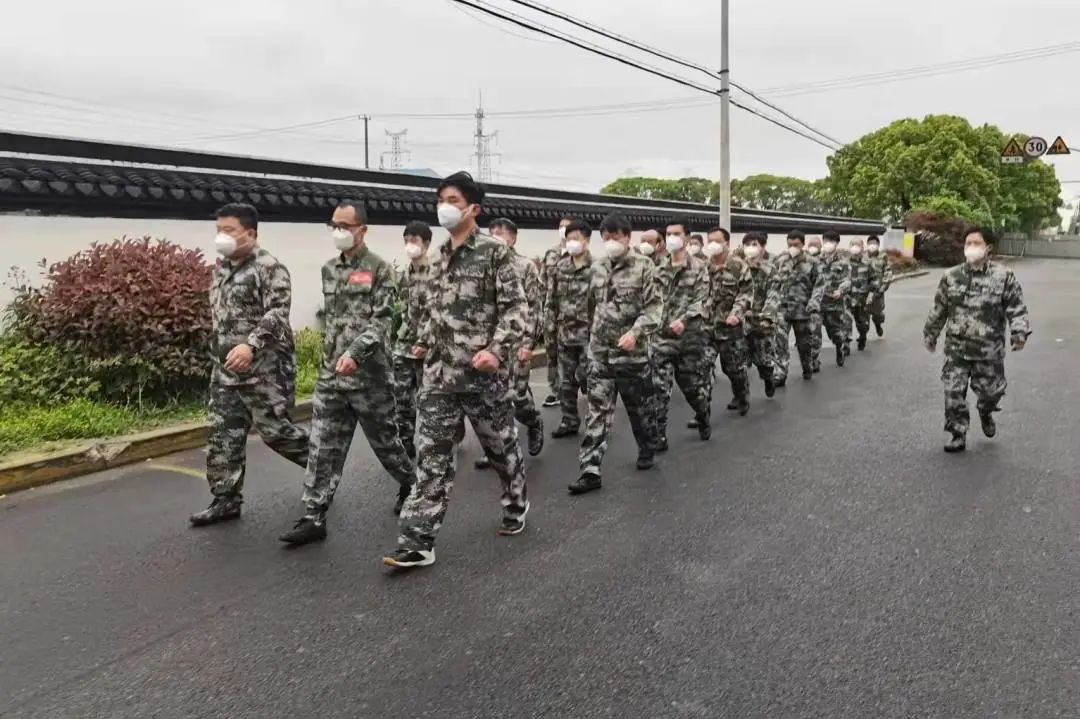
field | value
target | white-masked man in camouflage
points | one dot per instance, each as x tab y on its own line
628	312
799	277
882	277
475	316
862	288
355	384
408	369
977	304
254	373
551	258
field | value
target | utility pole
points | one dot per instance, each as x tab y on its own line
367	163
725	116
483	152
396	152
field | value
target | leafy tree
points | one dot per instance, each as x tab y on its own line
686	189
777	192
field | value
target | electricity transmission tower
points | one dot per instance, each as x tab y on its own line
397	151
483	152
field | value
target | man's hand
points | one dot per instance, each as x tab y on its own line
524	356
628	342
930	344
346	365
677	328
870	299
485	362
732	321
837	295
239	358
1019	343
418	352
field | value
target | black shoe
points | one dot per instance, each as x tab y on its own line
817	367
704	431
645	461
862	343
535	435
808	374
840	356
744	406
309	528
879	329
782	382
221	509
402	495
482	463
585	483
513	525
733	404
847	349
408	558
989	426
958	443
564	430
551	401
770	386
661	444
692	424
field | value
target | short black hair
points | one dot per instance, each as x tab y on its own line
755	236
830	236
472	190
873	238
416	228
246	214
579	226
986	232
566	218
683	222
697	236
357	207
616	223
797	235
727	235
504	223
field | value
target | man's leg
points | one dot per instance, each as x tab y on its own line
438	417
333	423
733	364
492	418
988	383
663	369
569	376
554	390
405	386
862	321
781	350
815	330
270	405
692	376
835	328
955	375
633	384
374	408
877	313
226	442
599	420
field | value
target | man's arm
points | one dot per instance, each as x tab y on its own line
1015	309
534	294
653	304
744	297
377	331
273	328
699	295
511	307
817	289
939	313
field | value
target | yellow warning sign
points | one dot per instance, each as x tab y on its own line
1059	147
1013	149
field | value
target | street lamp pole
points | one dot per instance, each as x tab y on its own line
725	116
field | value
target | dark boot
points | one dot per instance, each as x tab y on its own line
989	426
646	461
839	356
309	528
704	430
879	328
862	342
564	430
535	435
744	405
661	444
958	443
221	509
733	404
770	386
692	424
585	483
482	463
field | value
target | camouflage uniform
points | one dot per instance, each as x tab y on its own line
627	299
569	312
800	286
683	359
836	275
250	300
551	258
976	306
881	280
408	369
862	285
358	294
731	292
524	406
475	301
761	320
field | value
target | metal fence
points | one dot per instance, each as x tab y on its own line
1065	247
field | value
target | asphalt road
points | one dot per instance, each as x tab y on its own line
820	558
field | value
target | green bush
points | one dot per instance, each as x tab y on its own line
42	374
308	359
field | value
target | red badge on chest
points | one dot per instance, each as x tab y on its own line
362	277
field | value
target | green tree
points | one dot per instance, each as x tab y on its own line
686	189
777	192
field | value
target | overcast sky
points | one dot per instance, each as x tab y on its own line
186	73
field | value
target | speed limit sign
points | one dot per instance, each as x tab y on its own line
1035	147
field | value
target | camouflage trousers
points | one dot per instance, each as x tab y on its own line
816	331
734	354
761	344
860	317
573	372
336	412
805	332
877	308
607	382
553	370
837	323
685	363
408	372
524	406
491	414
232	411
987	381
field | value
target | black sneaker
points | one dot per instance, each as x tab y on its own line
770	385
646	461
780	382
862	343
733	404
408	558
482	463
704	431
817	367
840	356
309	528
564	430
221	509
513	525
661	444
958	443
847	349
744	406
585	483
535	436
989	426
402	495
879	329
692	424
808	374
551	401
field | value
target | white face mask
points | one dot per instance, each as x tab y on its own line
712	249
614	248
224	244
498	238
575	247
562	232
414	251
674	243
343	239
813	249
449	215
872	249
855	250
794	251
828	248
974	253
646	249
752	252
695	249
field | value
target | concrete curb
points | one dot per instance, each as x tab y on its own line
97	455
911	275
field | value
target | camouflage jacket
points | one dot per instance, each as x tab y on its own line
475	301
358	296
862	279
881	273
685	290
731	292
800	285
835	276
410	283
976	306
569	307
766	297
534	295
627	299
250	301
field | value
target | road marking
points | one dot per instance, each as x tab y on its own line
178	469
